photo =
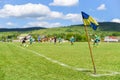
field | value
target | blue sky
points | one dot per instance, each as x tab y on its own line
54	13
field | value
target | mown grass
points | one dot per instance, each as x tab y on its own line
20	64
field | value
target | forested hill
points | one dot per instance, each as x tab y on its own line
20	29
105	26
109	26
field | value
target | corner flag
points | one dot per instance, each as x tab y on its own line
89	21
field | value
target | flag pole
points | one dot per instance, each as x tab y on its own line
90	49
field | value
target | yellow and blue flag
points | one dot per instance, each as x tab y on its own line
89	21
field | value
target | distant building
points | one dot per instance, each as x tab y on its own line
20	37
111	39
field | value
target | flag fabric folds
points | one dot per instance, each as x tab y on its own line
89	21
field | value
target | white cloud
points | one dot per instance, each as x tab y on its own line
37	11
116	20
102	7
52	15
56	15
64	2
26	10
42	24
73	17
10	24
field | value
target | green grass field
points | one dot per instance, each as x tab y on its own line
24	63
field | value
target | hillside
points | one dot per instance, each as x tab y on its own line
106	26
20	29
105	29
109	26
103	26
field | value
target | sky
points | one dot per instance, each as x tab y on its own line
55	13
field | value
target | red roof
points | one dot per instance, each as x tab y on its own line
112	37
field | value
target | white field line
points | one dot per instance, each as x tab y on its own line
110	73
106	74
